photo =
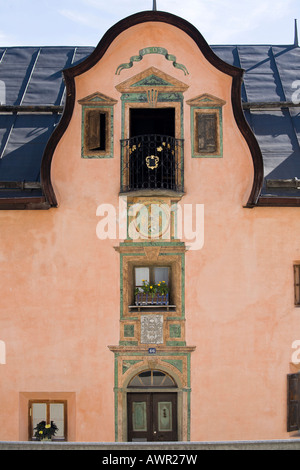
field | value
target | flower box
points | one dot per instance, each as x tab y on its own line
150	299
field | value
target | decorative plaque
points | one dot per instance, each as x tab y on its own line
152	329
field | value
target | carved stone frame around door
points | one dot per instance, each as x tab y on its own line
131	360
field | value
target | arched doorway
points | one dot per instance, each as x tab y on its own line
152	407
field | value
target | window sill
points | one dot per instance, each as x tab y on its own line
152	192
152	308
49	441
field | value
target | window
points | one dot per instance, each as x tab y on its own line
152	378
150	258
48	411
152	121
152	275
206	133
96	130
152	286
152	144
297	284
206	126
153	156
97	126
206	138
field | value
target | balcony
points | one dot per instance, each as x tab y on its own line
152	163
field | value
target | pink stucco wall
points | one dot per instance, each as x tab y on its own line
60	284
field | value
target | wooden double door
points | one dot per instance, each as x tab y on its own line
152	417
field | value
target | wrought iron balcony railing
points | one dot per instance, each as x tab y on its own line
152	161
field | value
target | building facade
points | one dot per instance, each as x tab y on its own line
150	283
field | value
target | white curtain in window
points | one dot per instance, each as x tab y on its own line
140	274
57	415
161	274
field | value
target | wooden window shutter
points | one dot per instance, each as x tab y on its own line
207	134
96	122
297	284
293	421
93	123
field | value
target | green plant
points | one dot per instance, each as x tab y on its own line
162	288
152	289
137	291
145	287
44	430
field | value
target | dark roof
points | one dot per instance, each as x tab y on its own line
32	76
271	73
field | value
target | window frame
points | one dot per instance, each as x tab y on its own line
47	403
87	151
98	135
100	104
138	380
197	112
297	284
206	104
199	115
293	402
152	274
140	254
151	268
179	162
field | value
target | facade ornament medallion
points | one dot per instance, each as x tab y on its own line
152	162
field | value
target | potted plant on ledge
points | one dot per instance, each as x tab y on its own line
152	294
44	431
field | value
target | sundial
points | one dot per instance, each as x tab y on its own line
152	220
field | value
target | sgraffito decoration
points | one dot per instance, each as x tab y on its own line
152	50
152	329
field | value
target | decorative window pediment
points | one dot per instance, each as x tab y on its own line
97	98
152	78
207	101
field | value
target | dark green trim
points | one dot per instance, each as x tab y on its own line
176	343
129	343
187	389
121	280
175	331
128	331
152	243
152	50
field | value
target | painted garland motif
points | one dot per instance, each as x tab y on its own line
152	50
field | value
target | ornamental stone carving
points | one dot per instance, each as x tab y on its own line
152	329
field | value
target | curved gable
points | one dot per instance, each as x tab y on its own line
98	53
